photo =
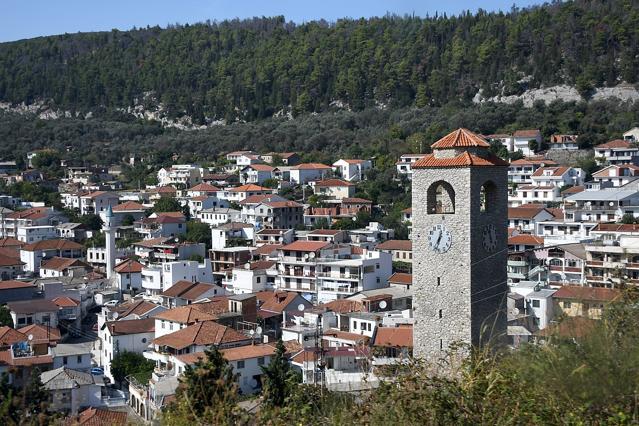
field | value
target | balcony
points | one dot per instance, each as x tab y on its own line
517	263
343	289
298	287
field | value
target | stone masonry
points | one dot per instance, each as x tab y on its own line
460	295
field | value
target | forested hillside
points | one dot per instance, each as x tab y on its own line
385	134
252	69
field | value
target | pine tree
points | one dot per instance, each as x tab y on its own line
279	379
208	392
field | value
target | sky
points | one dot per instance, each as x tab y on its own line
21	19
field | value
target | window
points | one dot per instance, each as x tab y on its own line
487	196
240	364
144	340
440	198
567	305
258	280
441	313
536	303
354	325
163	324
79	359
363	326
260	361
64	360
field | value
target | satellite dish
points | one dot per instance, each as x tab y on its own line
305	255
30	337
312	255
588	203
301	307
247	266
611	203
115	315
253	383
383	304
252	332
515	311
258	330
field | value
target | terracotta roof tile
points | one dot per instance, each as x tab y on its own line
526	239
41	333
185	315
401	245
66	302
129	266
309	246
204	187
312	166
401	278
202	334
63	263
134	326
460	138
333	183
129	206
556	171
11	284
56	244
250	187
99	417
396	337
617	143
525	212
528	133
464	159
343	306
9	336
581	293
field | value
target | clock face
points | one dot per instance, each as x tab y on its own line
439	238
489	238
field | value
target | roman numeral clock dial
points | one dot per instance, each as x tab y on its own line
439	238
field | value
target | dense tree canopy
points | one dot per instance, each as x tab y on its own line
255	68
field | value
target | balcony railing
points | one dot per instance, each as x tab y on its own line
298	287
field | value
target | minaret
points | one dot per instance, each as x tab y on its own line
109	237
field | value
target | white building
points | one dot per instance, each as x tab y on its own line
256	174
617	152
616	175
563	142
70	390
156	279
252	277
334	188
217	216
405	163
522	138
538	301
632	135
32	234
97	202
180	175
308	172
524	219
352	170
131	335
521	171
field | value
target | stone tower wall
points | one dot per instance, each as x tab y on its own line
467	284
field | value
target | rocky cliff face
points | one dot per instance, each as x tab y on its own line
564	93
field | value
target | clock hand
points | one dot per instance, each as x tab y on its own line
439	238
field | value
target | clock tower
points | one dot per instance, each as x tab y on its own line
460	211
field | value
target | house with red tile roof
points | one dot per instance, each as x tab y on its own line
401	250
97	202
241	193
10	265
617	151
128	275
309	172
98	417
180	175
256	173
35	253
394	342
63	267
525	218
184	292
132	335
581	301
287	158
11	291
334	188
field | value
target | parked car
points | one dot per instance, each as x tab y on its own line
97	371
